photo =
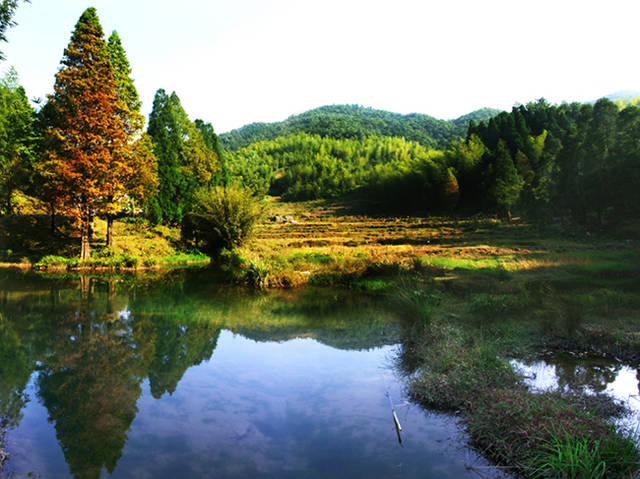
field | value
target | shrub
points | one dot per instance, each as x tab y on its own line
222	217
128	261
52	261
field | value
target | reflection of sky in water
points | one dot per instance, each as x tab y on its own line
270	409
591	376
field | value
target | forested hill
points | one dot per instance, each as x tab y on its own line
357	122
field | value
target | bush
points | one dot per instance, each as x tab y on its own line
52	261
222	217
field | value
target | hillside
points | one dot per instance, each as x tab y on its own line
357	122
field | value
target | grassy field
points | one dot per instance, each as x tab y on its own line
326	244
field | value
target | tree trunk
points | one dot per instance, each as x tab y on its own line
90	227
109	231
85	287
85	252
111	295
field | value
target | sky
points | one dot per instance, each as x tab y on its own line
234	62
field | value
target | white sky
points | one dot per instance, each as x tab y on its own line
233	62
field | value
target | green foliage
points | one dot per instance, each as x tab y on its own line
491	304
356	122
223	217
16	138
211	141
501	182
572	457
53	261
185	161
392	172
417	303
572	160
184	257
125	88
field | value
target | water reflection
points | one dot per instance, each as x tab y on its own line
586	374
84	351
90	383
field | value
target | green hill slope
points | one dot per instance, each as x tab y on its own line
357	122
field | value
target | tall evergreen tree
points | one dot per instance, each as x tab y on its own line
141	180
599	145
16	145
133	119
185	163
86	140
211	140
502	182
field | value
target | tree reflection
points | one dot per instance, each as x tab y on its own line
176	347
90	385
93	341
16	367
575	376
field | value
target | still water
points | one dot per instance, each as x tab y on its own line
176	376
590	375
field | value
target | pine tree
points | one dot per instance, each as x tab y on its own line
185	163
450	190
140	177
502	182
600	142
87	141
213	143
125	88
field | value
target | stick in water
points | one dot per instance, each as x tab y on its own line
395	418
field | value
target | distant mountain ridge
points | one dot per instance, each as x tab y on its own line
353	121
623	95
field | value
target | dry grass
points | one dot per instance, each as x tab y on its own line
326	245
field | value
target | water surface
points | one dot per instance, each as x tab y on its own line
179	377
586	374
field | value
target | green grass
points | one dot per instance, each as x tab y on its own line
570	457
138	245
185	257
455	351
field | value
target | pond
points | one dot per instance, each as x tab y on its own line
586	374
178	376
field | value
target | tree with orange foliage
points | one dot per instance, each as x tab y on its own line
87	147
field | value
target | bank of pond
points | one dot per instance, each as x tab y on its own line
180	375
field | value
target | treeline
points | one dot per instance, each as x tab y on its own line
356	122
573	160
578	161
85	153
